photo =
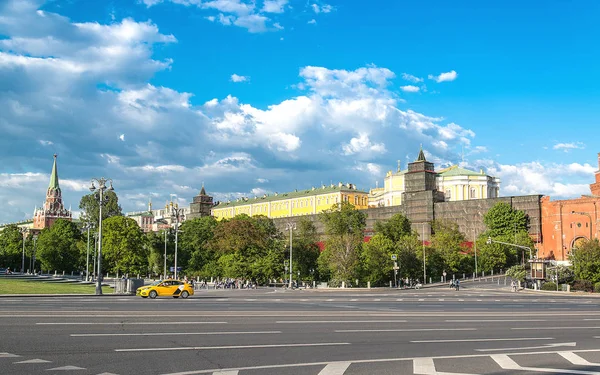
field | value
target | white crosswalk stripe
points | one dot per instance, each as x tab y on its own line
338	368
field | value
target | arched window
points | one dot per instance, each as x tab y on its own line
473	193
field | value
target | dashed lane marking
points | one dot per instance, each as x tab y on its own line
336	321
120	323
28	361
405	330
232	347
484	340
226	373
337	368
171	334
66	368
8	355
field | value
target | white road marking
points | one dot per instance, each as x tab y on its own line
232	347
337	368
377	299
485	340
171	333
353	300
226	373
507	363
550	328
576	360
65	368
32	361
378	360
336	321
121	323
492	320
107	373
529	347
8	355
423	366
399	300
404	330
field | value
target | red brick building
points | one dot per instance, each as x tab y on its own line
53	206
567	222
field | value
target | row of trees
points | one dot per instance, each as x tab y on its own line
253	248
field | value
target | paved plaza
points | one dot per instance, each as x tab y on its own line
482	329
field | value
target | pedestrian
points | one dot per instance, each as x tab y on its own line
457	284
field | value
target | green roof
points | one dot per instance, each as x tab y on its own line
290	195
54	177
455	170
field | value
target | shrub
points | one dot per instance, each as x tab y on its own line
583	286
597	287
549	286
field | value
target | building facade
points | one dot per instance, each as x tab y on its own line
53	208
455	183
155	220
296	203
566	223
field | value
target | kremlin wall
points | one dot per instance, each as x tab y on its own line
418	192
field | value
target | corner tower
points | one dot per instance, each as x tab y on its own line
595	187
201	205
53	208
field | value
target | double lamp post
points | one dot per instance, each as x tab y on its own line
101	188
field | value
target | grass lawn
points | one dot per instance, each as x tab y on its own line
15	286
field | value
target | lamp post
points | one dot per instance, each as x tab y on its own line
35	237
490	241
165	257
589	217
475	247
101	188
291	227
24	233
176	213
87	226
424	267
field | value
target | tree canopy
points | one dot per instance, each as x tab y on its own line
58	247
123	246
90	209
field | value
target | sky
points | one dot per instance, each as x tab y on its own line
264	96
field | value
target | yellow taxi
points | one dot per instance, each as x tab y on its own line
170	288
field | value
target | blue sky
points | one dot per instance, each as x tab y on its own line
258	97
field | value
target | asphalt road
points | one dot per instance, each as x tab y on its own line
482	329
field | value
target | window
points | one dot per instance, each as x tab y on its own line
473	193
448	194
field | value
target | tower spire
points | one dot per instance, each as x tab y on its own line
398	165
421	154
202	191
54	177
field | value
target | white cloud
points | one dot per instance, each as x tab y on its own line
371	168
362	144
274	6
410	88
325	8
262	180
238	78
569	146
411	78
444	77
122	137
46	143
312	22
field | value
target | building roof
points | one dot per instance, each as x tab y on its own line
455	170
54	177
421	156
295	194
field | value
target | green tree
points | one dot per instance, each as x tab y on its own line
395	228
586	261
409	248
448	241
517	272
565	274
305	248
344	227
491	256
503	220
194	242
60	247
89	206
123	247
376	260
11	247
155	243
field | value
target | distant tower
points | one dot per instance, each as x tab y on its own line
201	205
53	207
595	187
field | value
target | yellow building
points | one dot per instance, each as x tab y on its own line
296	203
455	182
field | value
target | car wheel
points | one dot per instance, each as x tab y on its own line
185	294
153	294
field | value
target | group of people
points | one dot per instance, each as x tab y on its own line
455	284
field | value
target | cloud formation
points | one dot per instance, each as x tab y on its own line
444	77
568	146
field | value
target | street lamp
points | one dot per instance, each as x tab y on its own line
490	241
176	213
589	217
87	227
165	257
291	227
475	247
23	231
35	237
424	268
101	188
